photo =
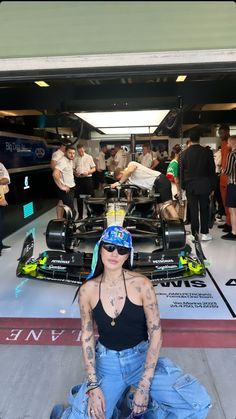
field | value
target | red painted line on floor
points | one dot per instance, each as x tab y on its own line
176	333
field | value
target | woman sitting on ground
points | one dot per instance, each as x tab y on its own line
124	306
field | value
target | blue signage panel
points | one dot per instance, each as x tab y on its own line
16	152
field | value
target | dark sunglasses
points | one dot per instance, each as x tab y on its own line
120	249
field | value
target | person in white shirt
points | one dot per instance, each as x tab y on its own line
111	165
146	157
156	153
142	176
101	166
120	157
84	167
64	178
4	181
56	156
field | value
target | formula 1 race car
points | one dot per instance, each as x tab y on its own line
169	259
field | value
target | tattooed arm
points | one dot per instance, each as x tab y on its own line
155	340
96	401
88	345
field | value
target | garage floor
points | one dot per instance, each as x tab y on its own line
37	371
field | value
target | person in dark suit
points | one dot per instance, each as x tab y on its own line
197	168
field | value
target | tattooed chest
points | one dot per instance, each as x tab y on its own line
113	302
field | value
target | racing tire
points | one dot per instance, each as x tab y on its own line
59	234
174	235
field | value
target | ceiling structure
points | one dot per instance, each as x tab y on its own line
206	98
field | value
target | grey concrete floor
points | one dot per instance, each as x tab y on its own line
34	378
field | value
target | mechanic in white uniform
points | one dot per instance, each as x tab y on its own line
56	156
146	157
84	166
101	165
120	157
143	177
64	178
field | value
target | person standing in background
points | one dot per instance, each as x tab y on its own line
56	156
146	157
84	166
4	182
188	217
159	165
101	166
217	194
224	135
120	157
64	178
156	153
111	161
172	174
197	172
230	202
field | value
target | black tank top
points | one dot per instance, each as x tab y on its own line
130	325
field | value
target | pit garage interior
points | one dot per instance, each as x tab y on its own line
205	99
198	313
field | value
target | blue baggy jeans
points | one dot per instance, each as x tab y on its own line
173	394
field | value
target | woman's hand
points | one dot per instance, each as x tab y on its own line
96	404
140	401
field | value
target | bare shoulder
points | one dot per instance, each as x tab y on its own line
88	287
138	279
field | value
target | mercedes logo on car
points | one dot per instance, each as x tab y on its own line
40	152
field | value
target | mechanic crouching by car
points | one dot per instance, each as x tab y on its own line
143	177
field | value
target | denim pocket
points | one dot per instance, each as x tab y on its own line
189	388
100	350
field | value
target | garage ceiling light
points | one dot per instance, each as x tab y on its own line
41	83
127	130
8	113
20	112
125	122
181	78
